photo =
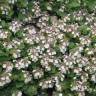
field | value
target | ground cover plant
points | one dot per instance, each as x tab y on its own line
47	47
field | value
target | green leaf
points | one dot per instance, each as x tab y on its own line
93	39
84	30
4	56
19	84
1	69
30	90
17	75
19	34
72	45
43	5
22	3
90	4
66	84
72	4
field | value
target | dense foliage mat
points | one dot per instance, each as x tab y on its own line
47	47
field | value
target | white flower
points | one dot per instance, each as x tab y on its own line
60	36
47	68
93	78
76	71
4	66
58	87
27	80
3	78
1	83
37	74
62	69
9	68
49	8
50	86
90	52
46	45
18	93
60	94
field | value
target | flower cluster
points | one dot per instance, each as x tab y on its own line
44	51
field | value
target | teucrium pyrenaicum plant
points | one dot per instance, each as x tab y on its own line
47	48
